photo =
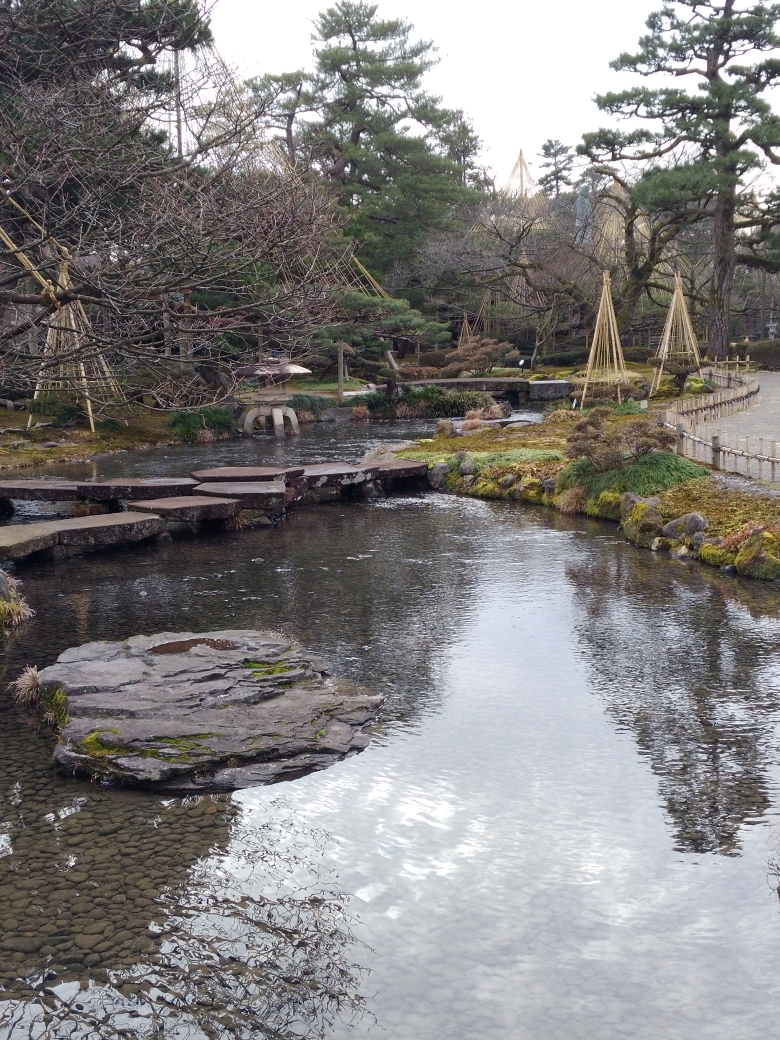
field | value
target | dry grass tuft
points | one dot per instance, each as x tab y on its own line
493	411
572	501
305	416
471	424
26	689
16	609
360	413
563	415
239	522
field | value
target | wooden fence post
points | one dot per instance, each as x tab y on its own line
680	439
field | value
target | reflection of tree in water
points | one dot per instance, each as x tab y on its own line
682	665
255	943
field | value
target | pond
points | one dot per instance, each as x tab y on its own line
565	825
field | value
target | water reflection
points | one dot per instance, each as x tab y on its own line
256	940
683	663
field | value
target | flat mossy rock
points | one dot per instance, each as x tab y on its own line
759	557
192	711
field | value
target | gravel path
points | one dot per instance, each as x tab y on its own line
761	421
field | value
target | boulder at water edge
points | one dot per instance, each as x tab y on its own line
215	710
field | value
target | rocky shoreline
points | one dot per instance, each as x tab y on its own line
717	520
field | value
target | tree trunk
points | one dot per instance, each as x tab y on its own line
719	309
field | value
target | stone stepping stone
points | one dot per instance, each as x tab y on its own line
214	710
135	488
265	495
41	490
400	469
88	532
340	474
192	509
248	473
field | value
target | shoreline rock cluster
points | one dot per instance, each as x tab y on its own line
750	551
193	711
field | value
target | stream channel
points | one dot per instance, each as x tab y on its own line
566	825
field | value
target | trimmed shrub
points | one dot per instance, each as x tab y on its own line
765	354
311	403
63	410
424	402
190	426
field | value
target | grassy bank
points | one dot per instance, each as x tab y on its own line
740	529
21	448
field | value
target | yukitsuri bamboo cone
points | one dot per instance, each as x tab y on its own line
64	338
466	333
606	363
678	342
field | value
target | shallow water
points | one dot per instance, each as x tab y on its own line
564	827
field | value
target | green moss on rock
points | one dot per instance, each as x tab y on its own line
759	557
643	524
608	505
55	707
715	556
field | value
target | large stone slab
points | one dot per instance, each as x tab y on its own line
134	488
78	532
192	509
215	710
340	474
266	495
399	469
20	540
95	532
41	490
248	473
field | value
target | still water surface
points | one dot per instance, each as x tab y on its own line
564	827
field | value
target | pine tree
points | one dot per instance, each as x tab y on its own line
703	139
398	160
559	160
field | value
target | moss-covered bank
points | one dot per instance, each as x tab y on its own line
661	501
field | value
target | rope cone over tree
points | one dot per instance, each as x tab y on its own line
678	352
605	362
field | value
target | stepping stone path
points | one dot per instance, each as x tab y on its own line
255	492
216	710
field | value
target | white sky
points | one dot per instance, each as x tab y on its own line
522	71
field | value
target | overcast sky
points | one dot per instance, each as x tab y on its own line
523	71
